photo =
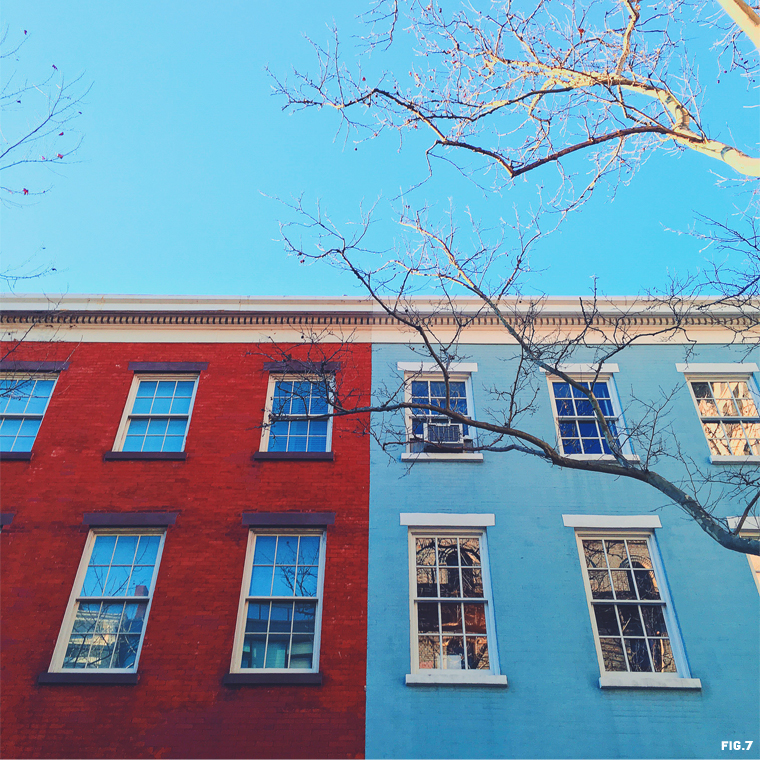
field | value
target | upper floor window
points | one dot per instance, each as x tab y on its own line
578	429
105	621
435	435
729	415
157	414
292	402
23	401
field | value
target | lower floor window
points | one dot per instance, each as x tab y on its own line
451	626
105	623
630	615
279	620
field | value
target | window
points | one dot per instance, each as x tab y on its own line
292	400
578	429
452	628
729	415
108	611
23	401
157	414
750	529
280	612
436	436
634	629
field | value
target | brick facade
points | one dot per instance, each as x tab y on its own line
179	707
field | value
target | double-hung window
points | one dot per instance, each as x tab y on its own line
279	619
292	403
728	406
452	625
157	414
578	429
105	622
432	435
23	401
635	631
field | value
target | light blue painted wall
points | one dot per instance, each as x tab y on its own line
553	707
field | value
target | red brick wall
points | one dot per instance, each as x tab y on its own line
179	707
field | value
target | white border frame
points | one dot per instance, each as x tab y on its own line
577	372
121	434
30	376
682	678
430	525
288	377
722	373
62	642
238	641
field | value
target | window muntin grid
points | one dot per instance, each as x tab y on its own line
293	401
629	613
433	392
281	615
579	430
450	603
111	607
160	413
729	416
23	401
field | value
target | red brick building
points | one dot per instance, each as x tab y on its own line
180	578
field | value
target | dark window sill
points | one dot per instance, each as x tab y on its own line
293	456
269	679
74	677
144	456
15	456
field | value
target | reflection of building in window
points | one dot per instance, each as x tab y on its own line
111	608
450	603
729	416
158	415
579	429
281	618
292	403
433	433
23	401
628	611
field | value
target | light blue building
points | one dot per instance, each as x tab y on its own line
522	610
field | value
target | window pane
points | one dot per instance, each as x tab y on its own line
117	583
265	548
616	553
469	549
453	653
125	652
94	581
622	583
304	617
147	550
301	652
475	618
287	550
427	617
307	581
662	656
612	655
606	620
599	581
449	582
425	551
646	584
451	618
261	580
630	621
281	617
102	551
308	550
254	647
139	582
638	655
472	582
277	651
126	546
429	652
86	618
477	653
447	552
654	620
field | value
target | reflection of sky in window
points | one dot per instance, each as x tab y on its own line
148	430
22	405
280	634
298	398
579	435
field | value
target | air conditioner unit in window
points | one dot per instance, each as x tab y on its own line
443	436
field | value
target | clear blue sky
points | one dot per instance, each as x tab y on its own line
185	150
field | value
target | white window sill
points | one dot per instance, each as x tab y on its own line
454	678
426	457
647	681
601	457
724	459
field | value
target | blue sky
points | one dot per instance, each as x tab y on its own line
185	152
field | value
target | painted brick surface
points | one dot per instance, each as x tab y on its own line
179	707
553	707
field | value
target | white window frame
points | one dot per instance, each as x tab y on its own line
275	378
723	373
587	373
429	371
59	653
428	525
245	597
598	527
23	377
127	415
